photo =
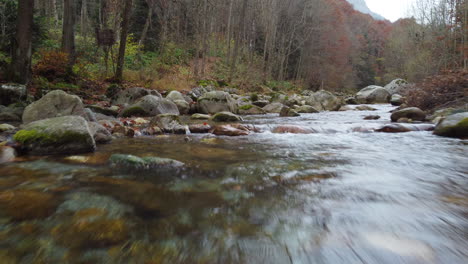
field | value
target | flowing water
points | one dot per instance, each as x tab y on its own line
335	196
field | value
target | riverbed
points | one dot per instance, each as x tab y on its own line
344	194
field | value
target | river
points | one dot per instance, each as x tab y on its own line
335	196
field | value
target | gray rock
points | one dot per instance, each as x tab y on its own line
273	108
6	128
373	95
261	103
200	117
12	93
59	135
402	128
324	101
108	111
412	113
226	117
134	162
345	108
183	106
364	108
54	104
288	112
150	105
174	96
169	123
397	86
215	102
100	134
251	110
396	100
453	126
7	154
351	100
132	95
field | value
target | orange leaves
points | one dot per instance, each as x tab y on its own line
52	65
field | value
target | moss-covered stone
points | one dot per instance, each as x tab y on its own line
246	107
134	162
453	126
226	117
134	111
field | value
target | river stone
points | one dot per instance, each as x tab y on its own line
12	93
396	100
402	128
396	86
200	117
273	108
306	109
345	108
54	104
59	135
251	110
150	105
412	113
6	128
134	162
174	96
261	103
215	102
7	154
108	111
183	106
283	129
226	117
100	134
324	101
132	95
372	117
364	108
199	128
351	100
288	112
373	95
229	130
453	126
169	123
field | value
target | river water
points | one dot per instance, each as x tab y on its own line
335	196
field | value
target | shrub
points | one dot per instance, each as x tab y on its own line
52	65
439	90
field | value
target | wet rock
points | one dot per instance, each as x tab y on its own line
453	126
150	105
397	86
169	123
288	112
345	108
251	110
273	108
373	95
404	120
22	205
200	117
261	103
412	113
85	200
397	100
228	130
108	111
351	100
372	117
12	93
132	95
199	128
215	102
7	154
54	104
402	128
100	134
364	108
306	109
134	162
324	101
6	128
284	129
59	135
226	117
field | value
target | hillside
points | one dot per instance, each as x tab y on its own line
361	6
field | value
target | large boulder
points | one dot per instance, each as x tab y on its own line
174	96
169	123
453	126
396	86
373	95
273	108
59	135
151	105
12	93
324	101
54	104
413	113
215	102
183	106
132	95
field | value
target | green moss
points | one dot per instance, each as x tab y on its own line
35	136
254	97
134	111
29	136
246	107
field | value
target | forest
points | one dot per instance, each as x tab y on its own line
178	44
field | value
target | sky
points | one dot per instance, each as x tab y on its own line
390	9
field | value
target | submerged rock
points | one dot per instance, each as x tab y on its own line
134	162
412	113
401	128
22	205
150	105
373	95
226	117
215	102
169	123
60	135
288	112
453	126
54	104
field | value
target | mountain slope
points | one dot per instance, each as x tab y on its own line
361	6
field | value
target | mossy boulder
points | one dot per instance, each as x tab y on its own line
215	102
397	86
453	126
226	117
413	113
134	162
54	104
150	105
60	135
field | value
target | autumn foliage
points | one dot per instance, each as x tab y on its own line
52	65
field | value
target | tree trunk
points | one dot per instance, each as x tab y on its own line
147	25
68	35
123	40
22	52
